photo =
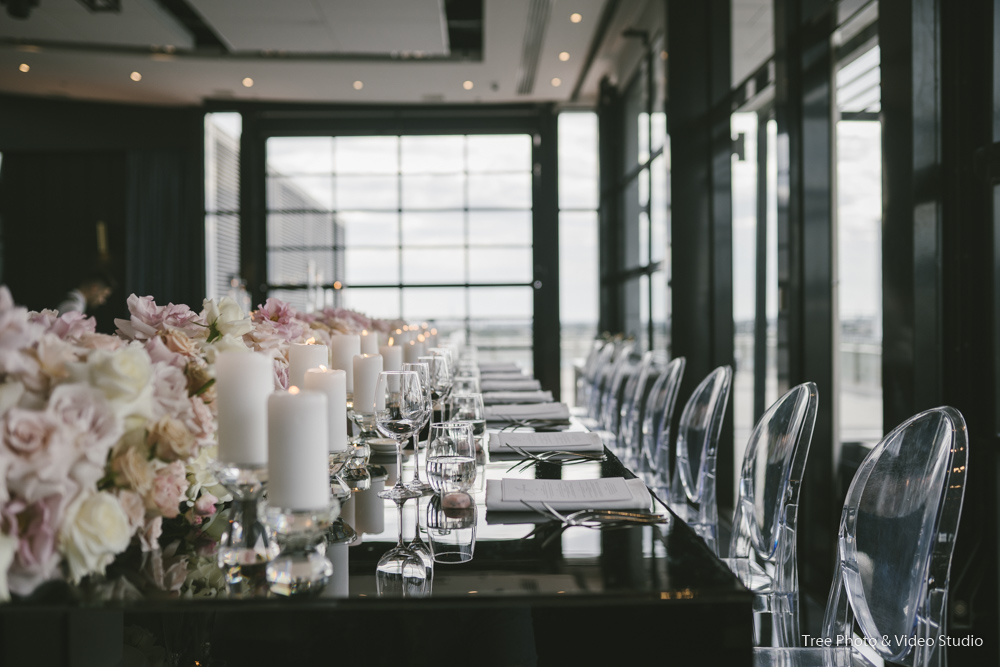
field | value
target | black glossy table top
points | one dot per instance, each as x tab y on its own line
641	565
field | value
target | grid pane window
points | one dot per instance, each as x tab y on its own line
410	227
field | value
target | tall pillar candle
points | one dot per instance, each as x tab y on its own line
243	382
392	357
343	349
332	384
412	352
369	342
303	357
366	370
298	462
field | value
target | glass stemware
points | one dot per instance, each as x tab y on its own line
421	548
451	457
401	572
469	408
423	372
440	381
451	528
399	411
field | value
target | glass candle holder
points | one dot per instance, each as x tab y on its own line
246	545
301	568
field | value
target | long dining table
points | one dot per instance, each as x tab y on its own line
530	595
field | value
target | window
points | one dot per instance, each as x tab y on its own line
424	228
222	202
579	270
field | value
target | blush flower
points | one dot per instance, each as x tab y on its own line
95	530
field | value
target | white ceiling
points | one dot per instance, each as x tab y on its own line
372	25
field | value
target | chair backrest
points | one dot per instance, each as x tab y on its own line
632	404
612	376
585	379
693	480
602	372
764	524
654	439
625	366
896	538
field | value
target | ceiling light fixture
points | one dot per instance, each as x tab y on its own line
556	82
24	67
135	76
358	85
575	18
564	56
248	82
467	85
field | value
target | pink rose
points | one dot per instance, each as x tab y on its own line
41	454
205	505
171	441
90	424
98	341
169	487
149	535
134	508
170	391
54	354
71	326
161	354
17	334
35	526
147	318
131	466
202	422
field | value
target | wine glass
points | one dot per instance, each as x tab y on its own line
440	379
451	457
451	528
421	548
416	484
465	384
400	571
469	408
399	411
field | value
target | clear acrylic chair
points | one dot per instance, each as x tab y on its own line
762	549
692	487
585	381
633	403
602	373
894	547
653	445
611	393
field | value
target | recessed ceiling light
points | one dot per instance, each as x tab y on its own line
358	85
135	76
575	18
24	67
564	56
556	82
467	85
248	82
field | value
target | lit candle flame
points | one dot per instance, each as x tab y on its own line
311	341
399	331
413	342
323	368
434	332
390	340
364	332
293	390
406	327
421	338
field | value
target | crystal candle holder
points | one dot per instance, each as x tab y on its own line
246	544
301	568
365	422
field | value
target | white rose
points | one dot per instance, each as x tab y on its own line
94	531
124	376
11	392
226	317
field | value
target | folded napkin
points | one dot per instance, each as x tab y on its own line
607	493
494	397
498	367
516	412
568	441
526	384
505	376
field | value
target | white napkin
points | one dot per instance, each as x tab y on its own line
513	412
498	367
504	376
611	493
526	384
494	397
567	441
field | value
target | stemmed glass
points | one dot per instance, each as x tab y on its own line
400	571
421	548
416	484
399	411
440	380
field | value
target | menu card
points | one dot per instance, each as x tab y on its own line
569	441
593	491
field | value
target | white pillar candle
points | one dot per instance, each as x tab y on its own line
332	384
343	349
243	381
392	357
369	342
303	357
366	370
412	352
298	462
